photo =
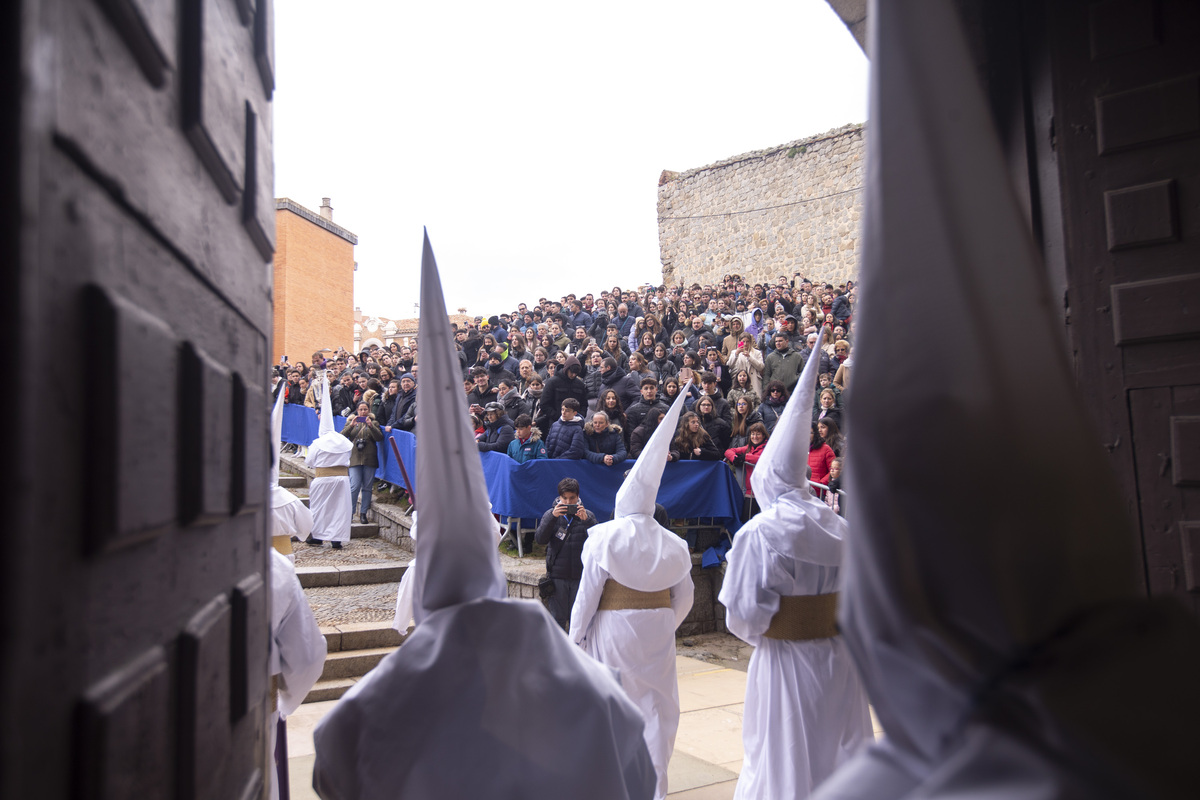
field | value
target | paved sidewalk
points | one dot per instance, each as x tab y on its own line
708	748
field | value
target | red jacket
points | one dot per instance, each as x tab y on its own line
752	455
820	459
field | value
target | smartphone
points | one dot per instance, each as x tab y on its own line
360	420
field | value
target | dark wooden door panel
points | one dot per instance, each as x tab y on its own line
1127	127
135	659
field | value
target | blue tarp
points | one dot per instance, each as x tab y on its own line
689	488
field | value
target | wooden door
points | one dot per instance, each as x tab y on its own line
134	580
1127	133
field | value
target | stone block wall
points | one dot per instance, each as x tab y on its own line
790	209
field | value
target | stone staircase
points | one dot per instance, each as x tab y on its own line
352	591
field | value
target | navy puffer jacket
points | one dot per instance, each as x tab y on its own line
567	439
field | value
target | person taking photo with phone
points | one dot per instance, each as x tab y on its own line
563	530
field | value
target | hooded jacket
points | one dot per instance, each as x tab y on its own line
528	450
567	439
559	388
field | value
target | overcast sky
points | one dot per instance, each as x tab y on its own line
528	137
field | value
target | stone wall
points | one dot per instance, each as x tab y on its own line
781	211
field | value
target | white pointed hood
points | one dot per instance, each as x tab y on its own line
783	466
279	496
633	547
276	435
793	520
326	408
330	449
456	555
640	488
986	519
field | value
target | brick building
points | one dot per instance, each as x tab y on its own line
314	281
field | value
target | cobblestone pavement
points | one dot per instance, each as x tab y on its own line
342	605
356	551
720	649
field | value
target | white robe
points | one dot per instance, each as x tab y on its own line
297	653
638	643
405	592
289	516
329	498
806	709
486	699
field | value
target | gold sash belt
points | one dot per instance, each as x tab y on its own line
803	617
282	543
617	597
333	472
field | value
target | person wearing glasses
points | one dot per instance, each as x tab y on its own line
772	405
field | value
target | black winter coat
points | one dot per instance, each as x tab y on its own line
637	412
623	384
770	413
559	388
564	538
403	401
609	443
718	430
497	436
638	439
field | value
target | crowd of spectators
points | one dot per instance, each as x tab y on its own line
591	377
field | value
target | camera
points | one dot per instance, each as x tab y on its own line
571	508
361	445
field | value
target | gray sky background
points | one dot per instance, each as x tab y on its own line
529	137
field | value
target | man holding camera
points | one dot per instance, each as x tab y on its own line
563	530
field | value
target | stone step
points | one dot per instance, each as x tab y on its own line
359	530
360	636
329	690
349	575
353	663
293	481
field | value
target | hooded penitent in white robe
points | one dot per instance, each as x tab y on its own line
297	654
638	553
806	710
404	592
329	497
486	698
995	623
289	516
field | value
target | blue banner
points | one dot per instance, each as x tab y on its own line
688	489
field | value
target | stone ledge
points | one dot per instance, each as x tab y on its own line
350	575
353	663
329	690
